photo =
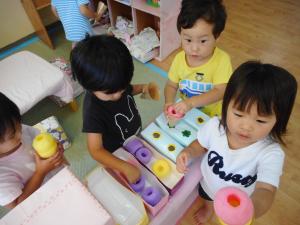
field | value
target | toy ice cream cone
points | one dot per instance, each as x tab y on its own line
173	116
151	91
45	145
172	121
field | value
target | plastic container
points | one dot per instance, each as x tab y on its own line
124	206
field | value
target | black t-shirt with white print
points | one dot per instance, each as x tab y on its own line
115	120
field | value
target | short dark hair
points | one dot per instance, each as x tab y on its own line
10	117
102	63
272	88
212	11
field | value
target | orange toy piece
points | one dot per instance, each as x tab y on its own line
151	91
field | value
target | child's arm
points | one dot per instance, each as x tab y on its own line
54	11
192	151
138	88
262	198
212	96
170	93
87	12
43	167
100	154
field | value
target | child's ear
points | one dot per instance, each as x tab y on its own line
216	37
217	40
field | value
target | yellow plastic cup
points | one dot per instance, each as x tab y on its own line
45	145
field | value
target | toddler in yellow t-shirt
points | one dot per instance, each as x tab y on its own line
202	70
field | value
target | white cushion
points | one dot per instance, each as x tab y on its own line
26	78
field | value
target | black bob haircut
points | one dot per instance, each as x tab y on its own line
102	63
272	88
212	11
10	117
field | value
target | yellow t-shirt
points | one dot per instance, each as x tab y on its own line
197	80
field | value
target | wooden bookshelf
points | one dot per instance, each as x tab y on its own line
162	19
32	8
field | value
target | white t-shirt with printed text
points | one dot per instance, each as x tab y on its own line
242	168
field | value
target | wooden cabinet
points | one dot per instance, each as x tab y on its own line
32	8
163	18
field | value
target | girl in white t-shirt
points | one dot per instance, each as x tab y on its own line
242	149
22	171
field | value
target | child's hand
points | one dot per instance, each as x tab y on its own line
166	108
182	161
150	91
100	11
183	106
44	166
131	172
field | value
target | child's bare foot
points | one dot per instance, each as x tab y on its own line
204	213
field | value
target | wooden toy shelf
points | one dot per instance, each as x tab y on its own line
32	8
162	19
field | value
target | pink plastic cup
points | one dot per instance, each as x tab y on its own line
233	206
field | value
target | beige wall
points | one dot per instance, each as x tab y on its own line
15	23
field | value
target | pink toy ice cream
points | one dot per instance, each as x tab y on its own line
233	207
173	116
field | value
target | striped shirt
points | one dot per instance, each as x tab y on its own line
75	24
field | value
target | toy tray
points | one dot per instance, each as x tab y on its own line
173	181
195	118
182	132
151	180
163	143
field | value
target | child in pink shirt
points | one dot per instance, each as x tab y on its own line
22	171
